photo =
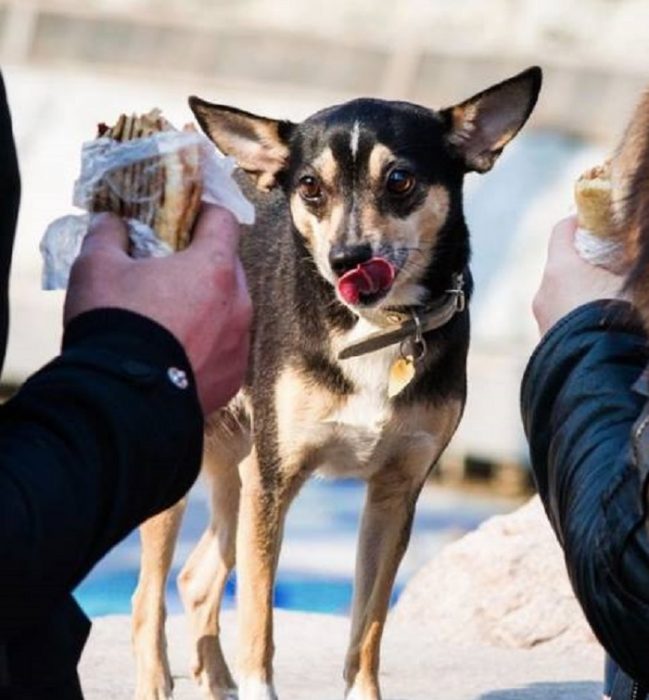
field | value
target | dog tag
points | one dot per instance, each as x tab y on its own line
401	374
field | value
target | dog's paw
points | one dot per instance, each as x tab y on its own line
362	692
154	690
254	689
218	693
214	687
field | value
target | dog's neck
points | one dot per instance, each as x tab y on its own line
409	323
394	324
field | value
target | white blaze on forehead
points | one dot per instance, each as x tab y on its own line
353	139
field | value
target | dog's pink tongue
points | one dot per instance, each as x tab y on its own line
371	277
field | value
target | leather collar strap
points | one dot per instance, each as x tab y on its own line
422	320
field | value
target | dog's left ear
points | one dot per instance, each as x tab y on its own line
480	127
259	145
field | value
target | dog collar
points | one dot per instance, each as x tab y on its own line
420	320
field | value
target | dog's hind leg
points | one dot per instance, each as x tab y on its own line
384	535
158	536
203	578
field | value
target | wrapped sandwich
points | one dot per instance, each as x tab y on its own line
595	239
593	194
152	175
162	191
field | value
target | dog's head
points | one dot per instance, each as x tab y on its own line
374	187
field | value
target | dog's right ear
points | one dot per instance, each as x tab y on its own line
259	145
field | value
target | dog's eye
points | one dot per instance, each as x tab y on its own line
400	181
309	188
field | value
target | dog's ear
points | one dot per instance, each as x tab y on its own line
480	127
259	145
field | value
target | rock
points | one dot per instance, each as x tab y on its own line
504	584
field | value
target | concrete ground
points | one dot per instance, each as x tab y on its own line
310	652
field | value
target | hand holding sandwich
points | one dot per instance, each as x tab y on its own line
568	280
198	294
580	270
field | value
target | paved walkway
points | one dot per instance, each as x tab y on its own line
309	657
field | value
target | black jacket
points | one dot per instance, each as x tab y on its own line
9	200
585	417
91	445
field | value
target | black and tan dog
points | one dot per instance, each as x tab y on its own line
358	269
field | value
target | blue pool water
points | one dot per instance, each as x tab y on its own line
317	563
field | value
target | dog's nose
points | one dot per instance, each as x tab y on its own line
345	257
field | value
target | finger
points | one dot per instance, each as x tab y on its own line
216	230
106	233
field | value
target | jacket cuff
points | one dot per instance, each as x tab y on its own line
130	333
601	315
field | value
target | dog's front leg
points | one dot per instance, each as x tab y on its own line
384	535
158	536
264	501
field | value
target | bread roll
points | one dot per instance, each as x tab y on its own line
593	194
163	192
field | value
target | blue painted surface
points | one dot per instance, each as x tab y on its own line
316	568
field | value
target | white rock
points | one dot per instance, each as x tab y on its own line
504	584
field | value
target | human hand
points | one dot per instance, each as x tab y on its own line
568	280
199	295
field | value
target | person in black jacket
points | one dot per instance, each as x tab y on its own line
110	432
585	412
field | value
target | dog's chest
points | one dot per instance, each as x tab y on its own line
332	434
368	407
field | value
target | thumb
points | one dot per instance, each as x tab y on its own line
563	235
107	233
216	232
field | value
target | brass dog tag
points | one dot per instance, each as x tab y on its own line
401	374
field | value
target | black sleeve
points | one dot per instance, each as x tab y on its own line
92	445
9	201
579	409
577	402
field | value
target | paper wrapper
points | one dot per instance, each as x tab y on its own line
101	160
599	251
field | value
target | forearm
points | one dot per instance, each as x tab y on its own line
579	410
92	445
577	401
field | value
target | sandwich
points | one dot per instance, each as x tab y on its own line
162	191
593	197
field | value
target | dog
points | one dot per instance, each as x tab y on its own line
358	270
